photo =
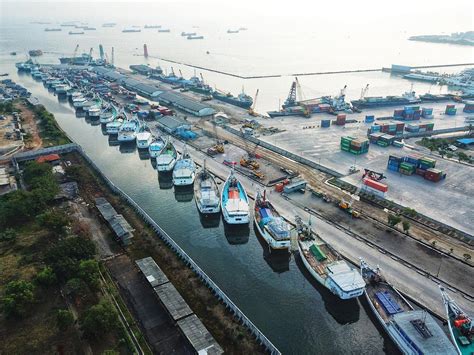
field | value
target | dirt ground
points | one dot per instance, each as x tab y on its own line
30	126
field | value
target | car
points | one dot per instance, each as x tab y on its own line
229	162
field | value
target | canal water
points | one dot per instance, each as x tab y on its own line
277	294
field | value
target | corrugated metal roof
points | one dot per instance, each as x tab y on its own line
182	101
152	271
147	89
199	336
130	83
173	302
172	122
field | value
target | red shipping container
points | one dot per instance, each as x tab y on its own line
341	116
376	185
279	187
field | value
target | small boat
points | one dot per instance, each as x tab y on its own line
79	101
128	131
94	112
166	160
461	326
413	331
108	114
152	26
195	37
35	52
232	31
186	34
206	192
155	147
184	170
164	31
234	201
76	32
272	227
131	30
113	128
53	29
326	265
144	138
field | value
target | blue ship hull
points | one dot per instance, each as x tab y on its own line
232	100
383	103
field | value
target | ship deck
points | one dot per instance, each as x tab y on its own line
318	266
383	287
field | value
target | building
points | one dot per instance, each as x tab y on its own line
149	91
182	102
171	124
122	229
465	142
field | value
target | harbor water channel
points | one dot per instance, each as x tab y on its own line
297	314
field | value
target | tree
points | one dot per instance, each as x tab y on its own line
410	212
46	277
99	319
64	319
17	297
89	272
151	115
393	220
54	220
77	288
8	235
406	226
467	257
65	256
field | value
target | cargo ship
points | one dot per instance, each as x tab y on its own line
326	265
131	30
166	160
461	326
83	59
164	30
195	37
271	226
184	170
435	98
186	34
35	52
53	29
171	78
412	331
152	26
243	100
206	192
234	201
197	85
109	24
323	104
408	98
76	32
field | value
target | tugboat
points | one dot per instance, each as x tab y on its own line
272	227
461	326
413	331
206	192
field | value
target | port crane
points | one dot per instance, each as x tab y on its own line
252	108
74	54
339	102
364	92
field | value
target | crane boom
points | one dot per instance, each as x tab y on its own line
74	54
252	108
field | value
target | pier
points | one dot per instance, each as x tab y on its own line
269	76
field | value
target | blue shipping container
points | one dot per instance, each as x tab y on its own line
369	119
325	123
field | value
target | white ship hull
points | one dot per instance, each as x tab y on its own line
327	282
106	119
154	153
165	167
272	243
206	209
78	104
184	181
143	144
235	219
126	137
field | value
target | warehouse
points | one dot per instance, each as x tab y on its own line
185	104
173	123
149	91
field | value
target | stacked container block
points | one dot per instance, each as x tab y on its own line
415	164
427	112
469	107
354	146
409	113
393	128
421	127
450	110
341	120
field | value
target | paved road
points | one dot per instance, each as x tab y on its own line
419	287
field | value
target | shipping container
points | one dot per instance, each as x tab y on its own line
376	185
369	118
325	123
